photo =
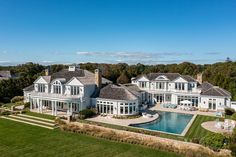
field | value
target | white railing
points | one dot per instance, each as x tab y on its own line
52	95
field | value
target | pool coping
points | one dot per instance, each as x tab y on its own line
183	132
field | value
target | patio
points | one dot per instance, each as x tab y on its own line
158	107
123	122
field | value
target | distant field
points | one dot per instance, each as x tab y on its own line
17	139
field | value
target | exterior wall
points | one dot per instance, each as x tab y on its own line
117	105
221	102
233	105
190	90
26	96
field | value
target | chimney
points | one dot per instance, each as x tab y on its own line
199	78
46	72
98	78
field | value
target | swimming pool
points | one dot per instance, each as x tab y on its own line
169	122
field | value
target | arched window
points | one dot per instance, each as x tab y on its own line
57	88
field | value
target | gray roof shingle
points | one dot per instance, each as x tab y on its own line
210	90
115	92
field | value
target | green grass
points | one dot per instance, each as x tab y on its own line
18	139
196	130
40	115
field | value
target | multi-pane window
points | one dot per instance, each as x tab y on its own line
179	86
160	85
143	84
41	88
75	90
57	87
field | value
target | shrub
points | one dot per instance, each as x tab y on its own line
27	105
233	117
229	111
86	113
213	141
195	140
232	144
5	113
17	99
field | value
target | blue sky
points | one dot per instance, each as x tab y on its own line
111	31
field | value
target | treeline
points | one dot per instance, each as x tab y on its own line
221	74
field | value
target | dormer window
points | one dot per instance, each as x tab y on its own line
57	89
41	88
75	90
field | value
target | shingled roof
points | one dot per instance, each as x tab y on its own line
210	90
115	92
85	76
170	76
29	88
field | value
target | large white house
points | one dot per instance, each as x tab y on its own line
69	90
173	88
72	90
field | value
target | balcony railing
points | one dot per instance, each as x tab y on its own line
53	95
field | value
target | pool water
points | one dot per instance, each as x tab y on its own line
169	122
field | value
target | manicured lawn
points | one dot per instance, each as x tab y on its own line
40	115
17	139
196	130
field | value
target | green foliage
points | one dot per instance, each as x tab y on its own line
214	141
122	79
5	113
27	105
17	99
86	113
232	145
229	111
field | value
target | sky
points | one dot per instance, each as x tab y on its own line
114	31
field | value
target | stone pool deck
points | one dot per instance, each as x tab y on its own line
123	122
210	125
158	107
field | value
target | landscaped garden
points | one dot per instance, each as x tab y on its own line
19	139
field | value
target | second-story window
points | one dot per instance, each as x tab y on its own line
179	86
143	84
41	88
57	87
74	90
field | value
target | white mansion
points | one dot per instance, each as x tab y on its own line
72	90
173	88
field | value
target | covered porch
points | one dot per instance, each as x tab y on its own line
55	107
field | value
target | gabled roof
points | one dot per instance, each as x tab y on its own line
29	88
153	76
115	92
188	78
84	76
133	89
209	89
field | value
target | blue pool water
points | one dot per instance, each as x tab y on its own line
169	122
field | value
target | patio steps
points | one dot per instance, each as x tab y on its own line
31	120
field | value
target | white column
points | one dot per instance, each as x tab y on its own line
53	106
31	101
38	105
41	105
55	111
71	109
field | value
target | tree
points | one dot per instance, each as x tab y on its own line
122	79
